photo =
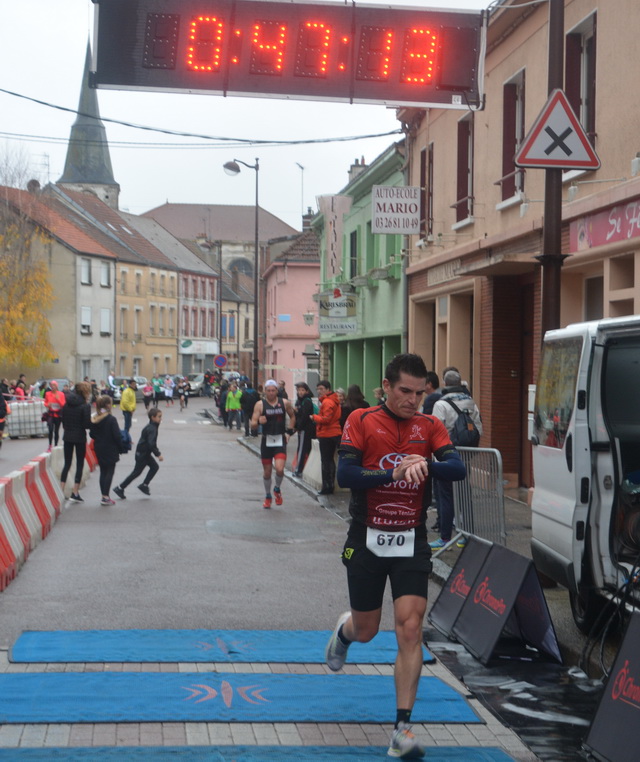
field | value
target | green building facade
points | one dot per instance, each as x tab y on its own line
367	266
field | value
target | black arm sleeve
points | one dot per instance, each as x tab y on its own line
351	474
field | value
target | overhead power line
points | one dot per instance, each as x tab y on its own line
225	141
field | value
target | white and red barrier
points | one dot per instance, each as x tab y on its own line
49	485
30	501
46	516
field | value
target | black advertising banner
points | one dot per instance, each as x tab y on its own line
614	735
505	600
454	592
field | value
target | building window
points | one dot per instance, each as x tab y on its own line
138	283
105	321
172	322
123	323
85	320
353	254
464	201
105	274
223	327
580	74
161	321
185	321
203	322
512	181
137	316
85	369
123	281
172	285
152	287
232	327
152	319
212	323
194	321
163	285
85	271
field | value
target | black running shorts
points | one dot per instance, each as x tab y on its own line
269	453
367	573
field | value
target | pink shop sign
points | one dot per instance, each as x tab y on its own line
619	223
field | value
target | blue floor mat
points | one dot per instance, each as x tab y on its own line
256	646
219	697
248	754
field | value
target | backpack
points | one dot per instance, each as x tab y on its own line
465	432
125	443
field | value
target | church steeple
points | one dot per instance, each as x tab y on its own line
88	164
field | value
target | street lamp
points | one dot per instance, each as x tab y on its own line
236	313
232	168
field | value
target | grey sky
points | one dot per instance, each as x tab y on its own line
42	50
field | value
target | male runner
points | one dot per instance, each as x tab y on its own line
385	457
270	413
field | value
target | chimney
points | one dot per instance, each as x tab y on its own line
306	219
356	169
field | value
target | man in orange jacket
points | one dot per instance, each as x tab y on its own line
329	433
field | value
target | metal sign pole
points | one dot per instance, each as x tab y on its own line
552	258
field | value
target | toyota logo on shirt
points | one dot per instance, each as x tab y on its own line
391	460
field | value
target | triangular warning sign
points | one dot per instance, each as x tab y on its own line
557	139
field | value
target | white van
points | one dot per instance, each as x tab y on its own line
586	458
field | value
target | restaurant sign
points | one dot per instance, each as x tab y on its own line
337	313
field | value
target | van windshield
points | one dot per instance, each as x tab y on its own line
556	390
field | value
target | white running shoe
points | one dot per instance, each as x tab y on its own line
404	744
336	652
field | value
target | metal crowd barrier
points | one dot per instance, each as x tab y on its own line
26	418
479	499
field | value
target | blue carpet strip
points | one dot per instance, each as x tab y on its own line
219	697
248	754
236	646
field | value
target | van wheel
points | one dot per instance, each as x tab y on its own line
586	605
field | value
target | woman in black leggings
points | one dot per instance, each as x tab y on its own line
107	442
76	418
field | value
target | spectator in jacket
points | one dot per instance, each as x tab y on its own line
248	401
233	407
432	391
354	400
54	401
76	419
128	402
458	392
329	433
146	449
305	425
4	411
107	441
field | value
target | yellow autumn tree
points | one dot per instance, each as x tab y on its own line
25	291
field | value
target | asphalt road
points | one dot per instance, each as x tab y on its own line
189	557
200	552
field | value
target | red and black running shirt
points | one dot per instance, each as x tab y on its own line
376	440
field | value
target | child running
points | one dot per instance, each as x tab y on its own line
147	447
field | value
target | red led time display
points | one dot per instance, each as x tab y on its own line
354	53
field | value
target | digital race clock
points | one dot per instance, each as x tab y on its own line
319	51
